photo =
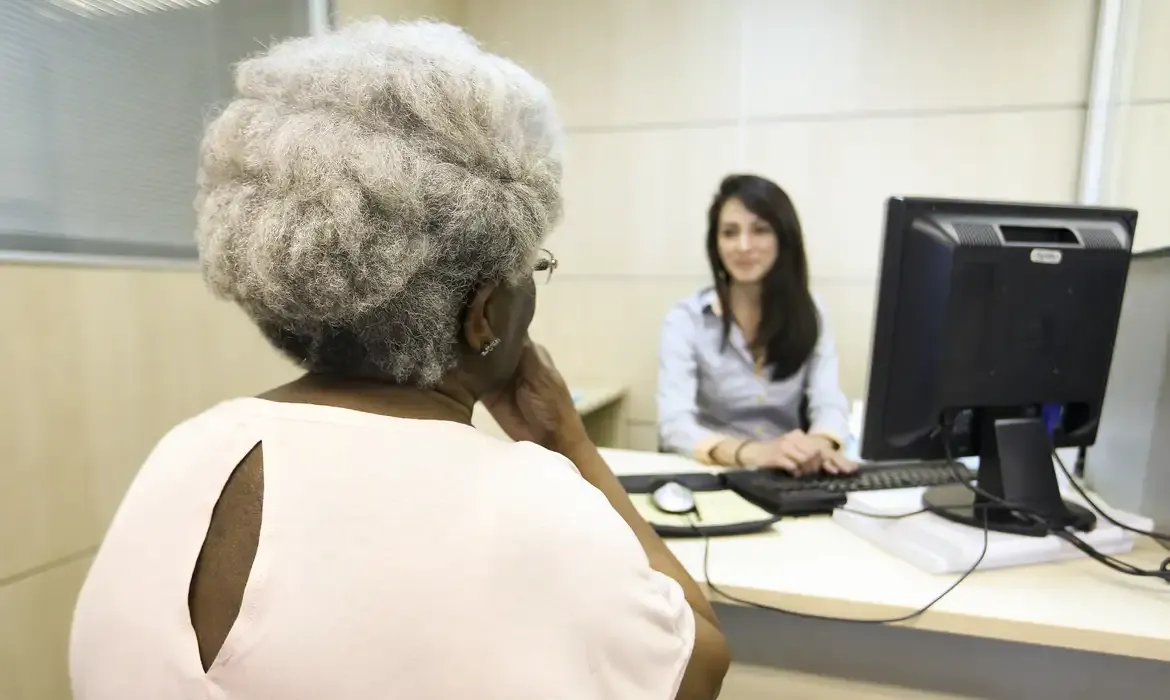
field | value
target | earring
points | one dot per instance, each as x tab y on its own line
487	349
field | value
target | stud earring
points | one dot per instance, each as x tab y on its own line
487	349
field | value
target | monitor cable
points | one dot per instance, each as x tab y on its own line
1153	534
1065	533
813	616
1163	570
1079	466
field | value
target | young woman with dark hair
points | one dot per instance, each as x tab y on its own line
748	367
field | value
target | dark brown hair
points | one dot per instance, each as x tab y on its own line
789	323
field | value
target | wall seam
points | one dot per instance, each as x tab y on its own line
48	566
855	115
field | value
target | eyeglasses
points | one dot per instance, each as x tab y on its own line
542	270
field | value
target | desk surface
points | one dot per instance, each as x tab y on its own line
588	399
815	566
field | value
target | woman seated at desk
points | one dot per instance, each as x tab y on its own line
375	200
747	368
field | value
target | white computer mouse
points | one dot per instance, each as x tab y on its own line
674	498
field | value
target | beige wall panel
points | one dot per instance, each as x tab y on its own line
607	330
622	62
636	202
1151	69
1143	172
834	56
96	366
643	435
839	173
850	307
35	616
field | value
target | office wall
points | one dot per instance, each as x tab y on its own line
95	365
843	102
1140	171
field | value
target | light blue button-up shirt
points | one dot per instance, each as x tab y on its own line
706	393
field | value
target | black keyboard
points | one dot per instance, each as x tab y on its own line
868	478
780	493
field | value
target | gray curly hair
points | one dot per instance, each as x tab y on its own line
364	182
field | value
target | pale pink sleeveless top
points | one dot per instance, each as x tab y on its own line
398	558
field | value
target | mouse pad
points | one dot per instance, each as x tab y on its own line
715	507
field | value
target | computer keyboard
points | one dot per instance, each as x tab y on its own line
867	478
780	493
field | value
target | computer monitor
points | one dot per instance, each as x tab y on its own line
993	337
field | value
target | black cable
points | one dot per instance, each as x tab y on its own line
1079	466
829	618
1121	567
1163	570
991	498
1067	534
1101	511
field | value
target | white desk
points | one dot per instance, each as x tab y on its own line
813	565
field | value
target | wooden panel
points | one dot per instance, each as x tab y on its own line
96	365
35	615
621	62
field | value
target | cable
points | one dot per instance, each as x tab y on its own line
1079	466
1101	511
829	618
991	498
1121	567
1163	571
1067	534
881	516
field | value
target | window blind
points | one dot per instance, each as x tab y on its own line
102	106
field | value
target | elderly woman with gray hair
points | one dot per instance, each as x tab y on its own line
375	199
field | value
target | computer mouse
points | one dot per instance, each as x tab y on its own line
673	498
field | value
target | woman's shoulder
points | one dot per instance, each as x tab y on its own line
820	307
701	300
694	305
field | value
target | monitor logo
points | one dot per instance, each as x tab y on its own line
1046	256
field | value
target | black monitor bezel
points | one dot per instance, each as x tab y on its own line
901	211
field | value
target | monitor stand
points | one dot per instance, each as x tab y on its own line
1015	465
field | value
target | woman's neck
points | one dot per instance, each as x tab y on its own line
449	400
744	300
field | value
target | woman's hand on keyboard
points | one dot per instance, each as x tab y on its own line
798	453
833	460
